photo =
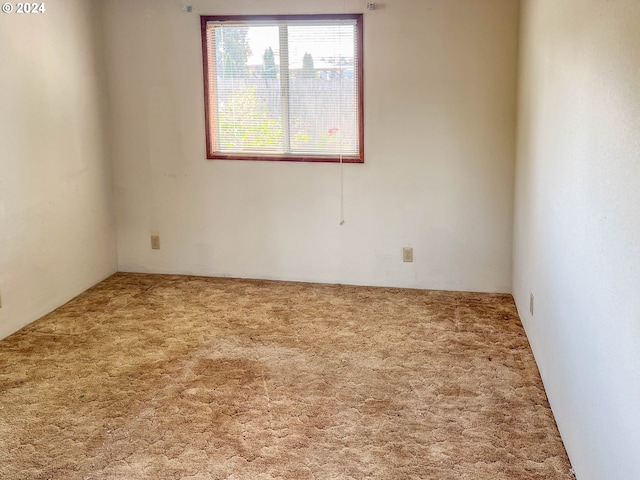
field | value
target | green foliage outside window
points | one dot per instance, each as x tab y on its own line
235	51
262	129
308	70
270	69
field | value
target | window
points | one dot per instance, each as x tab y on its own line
284	87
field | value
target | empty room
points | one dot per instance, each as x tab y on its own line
285	239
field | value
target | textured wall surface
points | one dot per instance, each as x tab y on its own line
439	128
57	228
577	225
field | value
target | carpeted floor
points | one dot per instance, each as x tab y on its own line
167	377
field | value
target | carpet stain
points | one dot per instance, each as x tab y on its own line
180	377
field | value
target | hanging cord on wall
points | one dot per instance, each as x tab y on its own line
341	192
340	122
340	151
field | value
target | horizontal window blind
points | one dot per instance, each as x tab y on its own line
284	87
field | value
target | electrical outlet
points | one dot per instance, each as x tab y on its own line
407	254
155	242
531	300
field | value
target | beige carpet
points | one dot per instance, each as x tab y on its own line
167	377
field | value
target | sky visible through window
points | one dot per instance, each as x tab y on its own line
321	41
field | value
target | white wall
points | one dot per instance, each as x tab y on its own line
56	220
577	225
440	81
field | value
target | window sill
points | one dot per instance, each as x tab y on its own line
286	158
